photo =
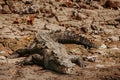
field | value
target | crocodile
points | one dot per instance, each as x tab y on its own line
48	51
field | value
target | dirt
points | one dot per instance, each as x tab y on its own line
98	21
14	72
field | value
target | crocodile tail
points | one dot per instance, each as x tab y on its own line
84	41
67	37
72	37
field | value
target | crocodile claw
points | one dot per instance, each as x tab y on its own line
82	65
20	63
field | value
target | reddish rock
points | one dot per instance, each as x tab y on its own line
112	3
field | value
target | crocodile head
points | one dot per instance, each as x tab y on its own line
65	67
61	66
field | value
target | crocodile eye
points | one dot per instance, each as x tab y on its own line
53	52
56	58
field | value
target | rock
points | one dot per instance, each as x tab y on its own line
103	46
2	2
99	51
62	18
118	26
1	9
96	5
29	10
84	29
13	61
76	51
78	15
3	53
109	31
2	57
89	12
114	38
114	51
1	26
53	27
112	3
72	23
94	27
91	58
100	66
15	6
102	2
6	9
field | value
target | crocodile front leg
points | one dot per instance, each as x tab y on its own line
19	52
78	60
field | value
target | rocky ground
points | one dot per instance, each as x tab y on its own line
97	20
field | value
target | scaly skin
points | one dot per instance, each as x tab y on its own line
71	37
46	51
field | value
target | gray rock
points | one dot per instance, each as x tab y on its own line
103	46
91	58
29	10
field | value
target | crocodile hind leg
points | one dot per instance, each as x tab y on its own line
19	52
78	60
23	52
